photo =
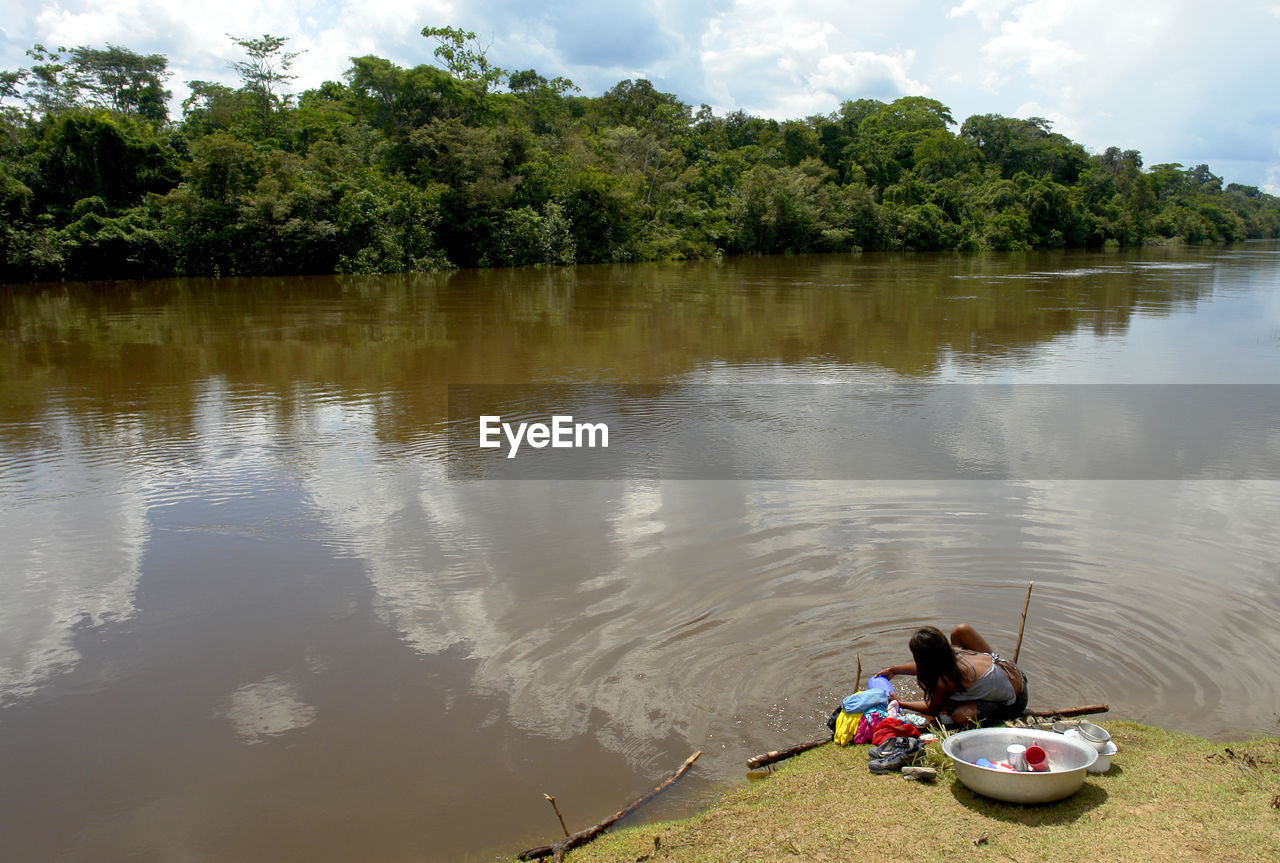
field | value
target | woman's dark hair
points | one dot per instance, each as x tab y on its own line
935	660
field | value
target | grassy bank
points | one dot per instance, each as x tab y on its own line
1167	797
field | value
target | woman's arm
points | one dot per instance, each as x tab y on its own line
934	705
905	668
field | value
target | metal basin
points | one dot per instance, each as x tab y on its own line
1068	760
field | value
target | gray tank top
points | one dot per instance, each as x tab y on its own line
992	685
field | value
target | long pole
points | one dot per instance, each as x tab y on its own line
1018	647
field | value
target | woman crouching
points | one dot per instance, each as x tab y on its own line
963	677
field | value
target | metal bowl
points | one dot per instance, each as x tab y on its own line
1068	761
1095	734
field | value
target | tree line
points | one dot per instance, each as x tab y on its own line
461	163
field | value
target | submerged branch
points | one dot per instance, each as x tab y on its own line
557	850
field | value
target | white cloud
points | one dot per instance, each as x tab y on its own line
1035	39
773	60
1043	57
863	71
986	11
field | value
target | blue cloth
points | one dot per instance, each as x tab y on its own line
867	699
882	683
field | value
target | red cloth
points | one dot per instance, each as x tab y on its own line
893	728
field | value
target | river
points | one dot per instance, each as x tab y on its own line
253	607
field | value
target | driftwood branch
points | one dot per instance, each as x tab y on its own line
1017	648
783	754
557	850
1070	711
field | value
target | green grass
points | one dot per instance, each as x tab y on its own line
1167	797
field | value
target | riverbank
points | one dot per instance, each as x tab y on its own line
1168	796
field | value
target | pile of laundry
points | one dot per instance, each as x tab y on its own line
873	716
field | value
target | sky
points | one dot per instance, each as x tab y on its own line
1180	81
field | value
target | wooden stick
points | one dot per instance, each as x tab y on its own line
782	754
557	850
857	681
1017	648
1070	711
552	801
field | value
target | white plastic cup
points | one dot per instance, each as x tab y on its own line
1016	756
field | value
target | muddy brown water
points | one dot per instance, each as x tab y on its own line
246	613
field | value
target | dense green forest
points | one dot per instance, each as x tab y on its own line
461	163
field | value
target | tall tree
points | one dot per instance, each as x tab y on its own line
121	80
266	73
52	85
462	55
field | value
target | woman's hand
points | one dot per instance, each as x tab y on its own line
901	668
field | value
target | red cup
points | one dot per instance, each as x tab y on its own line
1037	759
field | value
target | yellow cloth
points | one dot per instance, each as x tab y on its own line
846	727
